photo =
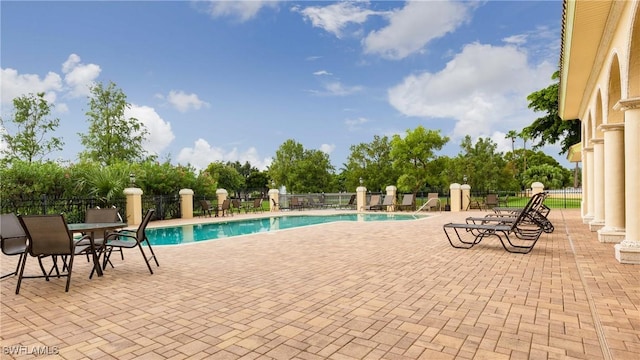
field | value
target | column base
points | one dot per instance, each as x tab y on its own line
610	235
587	219
595	225
628	252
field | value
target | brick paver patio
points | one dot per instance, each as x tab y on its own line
387	290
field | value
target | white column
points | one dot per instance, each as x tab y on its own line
613	230
274	200
361	197
628	251
584	211
455	195
186	203
598	185
588	186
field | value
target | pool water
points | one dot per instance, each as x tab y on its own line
211	231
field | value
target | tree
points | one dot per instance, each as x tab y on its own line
513	135
31	141
485	168
550	128
373	163
413	156
111	136
551	177
226	176
301	170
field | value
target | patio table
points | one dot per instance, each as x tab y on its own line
92	228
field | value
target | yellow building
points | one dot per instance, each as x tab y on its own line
600	85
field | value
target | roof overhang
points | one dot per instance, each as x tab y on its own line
583	27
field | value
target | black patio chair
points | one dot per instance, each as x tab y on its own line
13	239
129	239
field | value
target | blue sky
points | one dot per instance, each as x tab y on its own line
233	80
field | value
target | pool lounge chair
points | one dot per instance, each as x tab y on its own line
351	204
388	201
491	201
408	202
374	201
517	235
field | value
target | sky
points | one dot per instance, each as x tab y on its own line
233	80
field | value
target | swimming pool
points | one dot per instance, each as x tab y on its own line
219	230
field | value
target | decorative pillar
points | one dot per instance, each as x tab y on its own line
536	187
391	191
585	183
274	200
465	197
361	197
613	230
222	196
456	196
588	187
134	206
628	251
186	203
598	185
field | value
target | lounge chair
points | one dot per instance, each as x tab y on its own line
540	216
474	203
504	201
491	201
517	235
295	203
129	239
13	239
207	208
351	204
408	202
257	205
388	201
236	205
374	202
49	236
225	208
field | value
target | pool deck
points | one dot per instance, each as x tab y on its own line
348	290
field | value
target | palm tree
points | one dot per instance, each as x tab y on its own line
513	135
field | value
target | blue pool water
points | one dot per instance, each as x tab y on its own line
211	231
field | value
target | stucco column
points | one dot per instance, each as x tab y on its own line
274	200
361	198
536	187
588	187
392	191
186	203
465	197
628	251
456	196
134	206
585	183
598	185
613	230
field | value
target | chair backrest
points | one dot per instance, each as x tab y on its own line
257	203
48	235
407	199
432	196
226	205
205	204
97	215
492	199
13	238
375	200
388	200
352	199
141	235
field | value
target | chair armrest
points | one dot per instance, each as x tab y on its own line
117	234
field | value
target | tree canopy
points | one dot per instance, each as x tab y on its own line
111	136
32	140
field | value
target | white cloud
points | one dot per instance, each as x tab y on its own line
413	26
79	77
327	148
13	85
322	72
336	88
336	17
184	102
481	88
355	124
160	134
242	10
202	154
516	39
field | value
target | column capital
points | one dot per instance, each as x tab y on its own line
597	141
611	127
627	104
587	149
